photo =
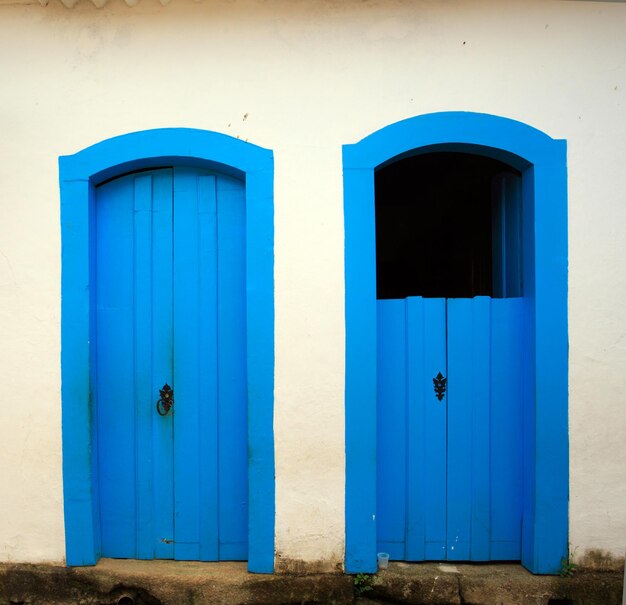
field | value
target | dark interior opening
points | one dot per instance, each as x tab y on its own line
448	225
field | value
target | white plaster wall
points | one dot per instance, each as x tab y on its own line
311	75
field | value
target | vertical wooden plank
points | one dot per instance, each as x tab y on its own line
391	428
434	418
232	406
162	362
529	514
506	428
142	362
207	365
498	231
480	357
506	229
186	367
115	371
513	237
426	427
417	382
460	346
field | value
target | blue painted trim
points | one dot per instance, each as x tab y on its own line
542	161
79	174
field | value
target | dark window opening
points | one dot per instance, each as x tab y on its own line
448	225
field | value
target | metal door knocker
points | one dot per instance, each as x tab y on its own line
440	385
165	403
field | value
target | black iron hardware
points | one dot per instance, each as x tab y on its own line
164	405
440	385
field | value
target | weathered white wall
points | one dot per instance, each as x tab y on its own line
303	78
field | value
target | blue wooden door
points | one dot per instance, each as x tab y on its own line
170	300
450	469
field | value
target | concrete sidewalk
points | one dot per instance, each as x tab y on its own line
131	582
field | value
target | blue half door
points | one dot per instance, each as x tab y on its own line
170	267
449	452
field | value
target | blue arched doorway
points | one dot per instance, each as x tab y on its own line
132	186
541	315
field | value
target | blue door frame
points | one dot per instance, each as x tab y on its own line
79	175
542	162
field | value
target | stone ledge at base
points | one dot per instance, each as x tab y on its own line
491	584
128	582
165	583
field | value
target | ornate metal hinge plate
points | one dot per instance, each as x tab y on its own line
165	403
440	385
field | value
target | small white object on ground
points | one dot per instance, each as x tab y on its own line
383	560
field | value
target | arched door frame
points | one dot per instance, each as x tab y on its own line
79	175
542	162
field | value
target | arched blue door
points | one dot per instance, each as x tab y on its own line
171	313
541	161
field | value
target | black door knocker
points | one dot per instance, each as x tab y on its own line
440	385
164	405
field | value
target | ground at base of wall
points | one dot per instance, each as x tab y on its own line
125	582
490	584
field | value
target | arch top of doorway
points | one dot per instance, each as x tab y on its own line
165	146
504	139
